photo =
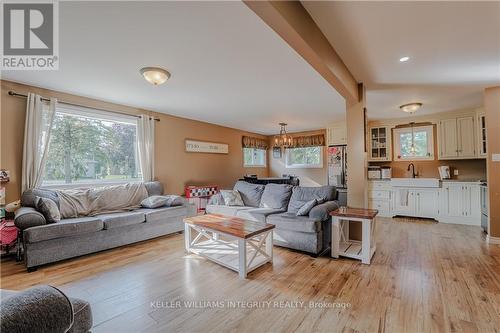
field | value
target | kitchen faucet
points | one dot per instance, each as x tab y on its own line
412	167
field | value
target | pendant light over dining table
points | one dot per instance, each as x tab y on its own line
283	139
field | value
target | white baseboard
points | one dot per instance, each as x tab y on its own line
460	220
492	240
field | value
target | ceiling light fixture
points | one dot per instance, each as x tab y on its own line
283	139
410	107
155	75
404	59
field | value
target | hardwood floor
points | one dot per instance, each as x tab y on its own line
424	277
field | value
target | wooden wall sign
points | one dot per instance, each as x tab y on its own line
194	146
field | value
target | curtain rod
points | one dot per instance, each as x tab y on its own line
12	93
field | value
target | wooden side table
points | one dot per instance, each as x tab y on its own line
342	245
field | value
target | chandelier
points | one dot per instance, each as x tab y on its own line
283	139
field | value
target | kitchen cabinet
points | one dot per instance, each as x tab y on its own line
380	144
380	197
481	130
456	138
453	202
460	201
336	134
416	202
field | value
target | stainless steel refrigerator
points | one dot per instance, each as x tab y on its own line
337	166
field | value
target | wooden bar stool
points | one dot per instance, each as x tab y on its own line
342	245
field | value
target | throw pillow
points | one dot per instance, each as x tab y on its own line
174	200
154	201
49	210
232	198
306	208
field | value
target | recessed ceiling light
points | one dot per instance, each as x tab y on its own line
155	75
404	59
410	107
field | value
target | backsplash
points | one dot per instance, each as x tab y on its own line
467	169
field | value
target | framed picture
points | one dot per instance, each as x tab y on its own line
194	146
277	152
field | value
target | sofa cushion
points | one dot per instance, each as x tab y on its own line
122	219
49	209
292	222
225	210
162	213
29	197
154	188
250	193
322	211
301	195
232	198
276	196
83	316
257	214
154	201
304	210
27	217
64	228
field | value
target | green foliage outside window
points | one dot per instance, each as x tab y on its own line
304	156
88	149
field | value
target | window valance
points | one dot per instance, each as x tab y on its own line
308	141
252	142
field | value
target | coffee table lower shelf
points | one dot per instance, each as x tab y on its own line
226	253
242	255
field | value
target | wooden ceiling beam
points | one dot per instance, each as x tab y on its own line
293	23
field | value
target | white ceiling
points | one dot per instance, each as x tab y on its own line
227	66
454	50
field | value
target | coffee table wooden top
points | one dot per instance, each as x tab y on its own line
233	226
359	213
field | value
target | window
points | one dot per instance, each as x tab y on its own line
89	146
254	157
308	157
422	139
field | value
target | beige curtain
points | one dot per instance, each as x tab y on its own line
146	146
37	128
308	141
251	142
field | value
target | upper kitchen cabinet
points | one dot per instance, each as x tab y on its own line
456	138
336	134
481	131
380	143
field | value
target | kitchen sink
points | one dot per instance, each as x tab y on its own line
415	182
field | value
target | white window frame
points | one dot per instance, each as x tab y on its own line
73	110
303	166
254	165
430	143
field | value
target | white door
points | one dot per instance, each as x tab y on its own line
466	137
427	203
404	201
448	143
453	200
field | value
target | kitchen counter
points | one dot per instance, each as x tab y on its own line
472	180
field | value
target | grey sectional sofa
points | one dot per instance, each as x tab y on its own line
278	204
45	243
43	309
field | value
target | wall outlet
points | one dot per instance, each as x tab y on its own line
455	172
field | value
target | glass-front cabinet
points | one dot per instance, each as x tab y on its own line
482	135
380	144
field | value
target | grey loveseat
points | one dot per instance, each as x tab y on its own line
45	243
278	204
43	309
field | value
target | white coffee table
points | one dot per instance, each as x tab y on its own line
238	244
